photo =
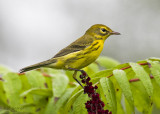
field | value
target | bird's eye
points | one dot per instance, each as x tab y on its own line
103	30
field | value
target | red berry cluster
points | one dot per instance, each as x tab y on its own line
95	105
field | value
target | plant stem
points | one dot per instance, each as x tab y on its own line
137	79
130	67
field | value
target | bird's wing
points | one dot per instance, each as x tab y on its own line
79	44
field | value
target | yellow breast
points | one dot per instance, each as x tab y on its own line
80	59
87	56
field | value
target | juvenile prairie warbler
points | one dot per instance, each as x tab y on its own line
80	53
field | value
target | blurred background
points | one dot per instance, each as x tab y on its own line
35	30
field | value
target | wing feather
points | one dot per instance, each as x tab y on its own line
79	44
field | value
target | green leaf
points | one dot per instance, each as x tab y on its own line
142	101
120	109
4	70
25	84
3	99
12	86
154	59
72	100
156	93
28	108
144	77
129	109
51	71
48	82
49	108
118	91
59	84
28	99
38	91
61	103
70	75
123	82
76	90
91	69
103	73
109	92
71	79
122	66
79	104
155	70
107	62
4	111
36	79
54	107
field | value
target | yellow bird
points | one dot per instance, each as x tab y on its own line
80	53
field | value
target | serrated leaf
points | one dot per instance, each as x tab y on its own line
38	91
123	82
155	70
109	92
79	104
54	107
144	64
12	86
144	77
72	100
142	101
107	62
61	103
36	79
59	84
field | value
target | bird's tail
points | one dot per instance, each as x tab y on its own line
38	65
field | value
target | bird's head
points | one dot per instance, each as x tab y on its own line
100	31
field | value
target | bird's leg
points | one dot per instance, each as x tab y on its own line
75	73
74	76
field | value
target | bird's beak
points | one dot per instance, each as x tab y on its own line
115	33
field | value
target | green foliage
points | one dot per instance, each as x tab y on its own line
107	90
143	76
122	80
124	88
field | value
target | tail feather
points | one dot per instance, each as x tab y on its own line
38	65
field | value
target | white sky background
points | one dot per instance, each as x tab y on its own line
35	30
